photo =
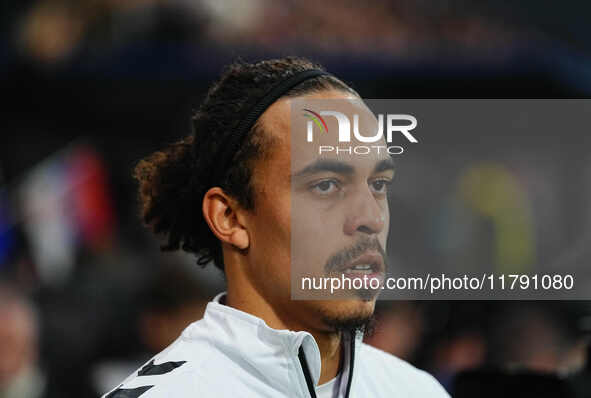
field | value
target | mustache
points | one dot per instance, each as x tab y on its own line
347	255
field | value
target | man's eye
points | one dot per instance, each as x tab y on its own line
325	187
380	186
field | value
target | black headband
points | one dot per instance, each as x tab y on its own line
227	151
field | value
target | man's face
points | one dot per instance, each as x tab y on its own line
319	215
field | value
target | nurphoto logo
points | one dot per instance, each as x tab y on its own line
392	126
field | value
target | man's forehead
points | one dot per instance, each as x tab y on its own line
291	153
316	134
277	119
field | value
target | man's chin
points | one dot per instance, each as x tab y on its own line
349	315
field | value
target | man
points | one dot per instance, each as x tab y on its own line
226	194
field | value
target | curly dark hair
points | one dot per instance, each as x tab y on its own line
173	181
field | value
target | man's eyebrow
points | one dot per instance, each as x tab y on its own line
383	165
322	165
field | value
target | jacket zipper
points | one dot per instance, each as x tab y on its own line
308	376
351	363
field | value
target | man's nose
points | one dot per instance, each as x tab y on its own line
364	214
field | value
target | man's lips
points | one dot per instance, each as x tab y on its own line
369	263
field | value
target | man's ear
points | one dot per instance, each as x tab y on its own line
221	213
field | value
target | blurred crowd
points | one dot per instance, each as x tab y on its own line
54	32
94	85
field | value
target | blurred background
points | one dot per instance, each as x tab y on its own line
92	86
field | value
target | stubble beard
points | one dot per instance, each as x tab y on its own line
350	323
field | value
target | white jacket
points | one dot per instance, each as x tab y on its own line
230	353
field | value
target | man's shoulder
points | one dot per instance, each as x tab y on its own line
156	379
384	359
171	372
393	370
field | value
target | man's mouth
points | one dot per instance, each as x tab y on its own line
369	264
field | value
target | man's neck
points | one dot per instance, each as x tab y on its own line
329	343
331	355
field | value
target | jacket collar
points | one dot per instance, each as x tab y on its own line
240	326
